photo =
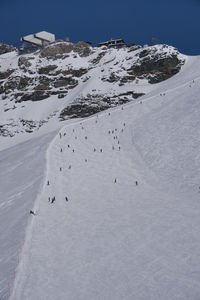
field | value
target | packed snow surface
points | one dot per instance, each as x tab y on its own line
129	228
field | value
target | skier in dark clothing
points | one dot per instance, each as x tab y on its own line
53	199
32	212
66	198
136	183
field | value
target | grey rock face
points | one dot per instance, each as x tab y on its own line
87	106
82	48
155	66
6	74
6	48
47	70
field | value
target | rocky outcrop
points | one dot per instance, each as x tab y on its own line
23	62
6	74
6	48
65	82
47	70
97	59
34	96
74	72
82	48
155	66
18	83
91	104
112	78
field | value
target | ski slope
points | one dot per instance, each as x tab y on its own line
113	238
21	177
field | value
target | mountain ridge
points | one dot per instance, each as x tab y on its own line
113	77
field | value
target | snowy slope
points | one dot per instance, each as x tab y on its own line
114	239
21	175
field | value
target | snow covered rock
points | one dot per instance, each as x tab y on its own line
4	48
156	64
80	79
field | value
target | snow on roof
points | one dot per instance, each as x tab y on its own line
45	36
31	39
39	38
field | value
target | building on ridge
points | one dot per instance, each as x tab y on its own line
112	43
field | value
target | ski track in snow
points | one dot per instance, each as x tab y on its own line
20	176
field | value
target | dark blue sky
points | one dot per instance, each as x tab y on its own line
174	22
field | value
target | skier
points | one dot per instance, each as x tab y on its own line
66	198
53	199
115	180
32	212
60	169
136	183
61	150
48	182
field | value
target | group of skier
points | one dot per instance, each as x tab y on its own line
110	132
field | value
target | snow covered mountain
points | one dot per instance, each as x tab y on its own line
129	227
66	80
